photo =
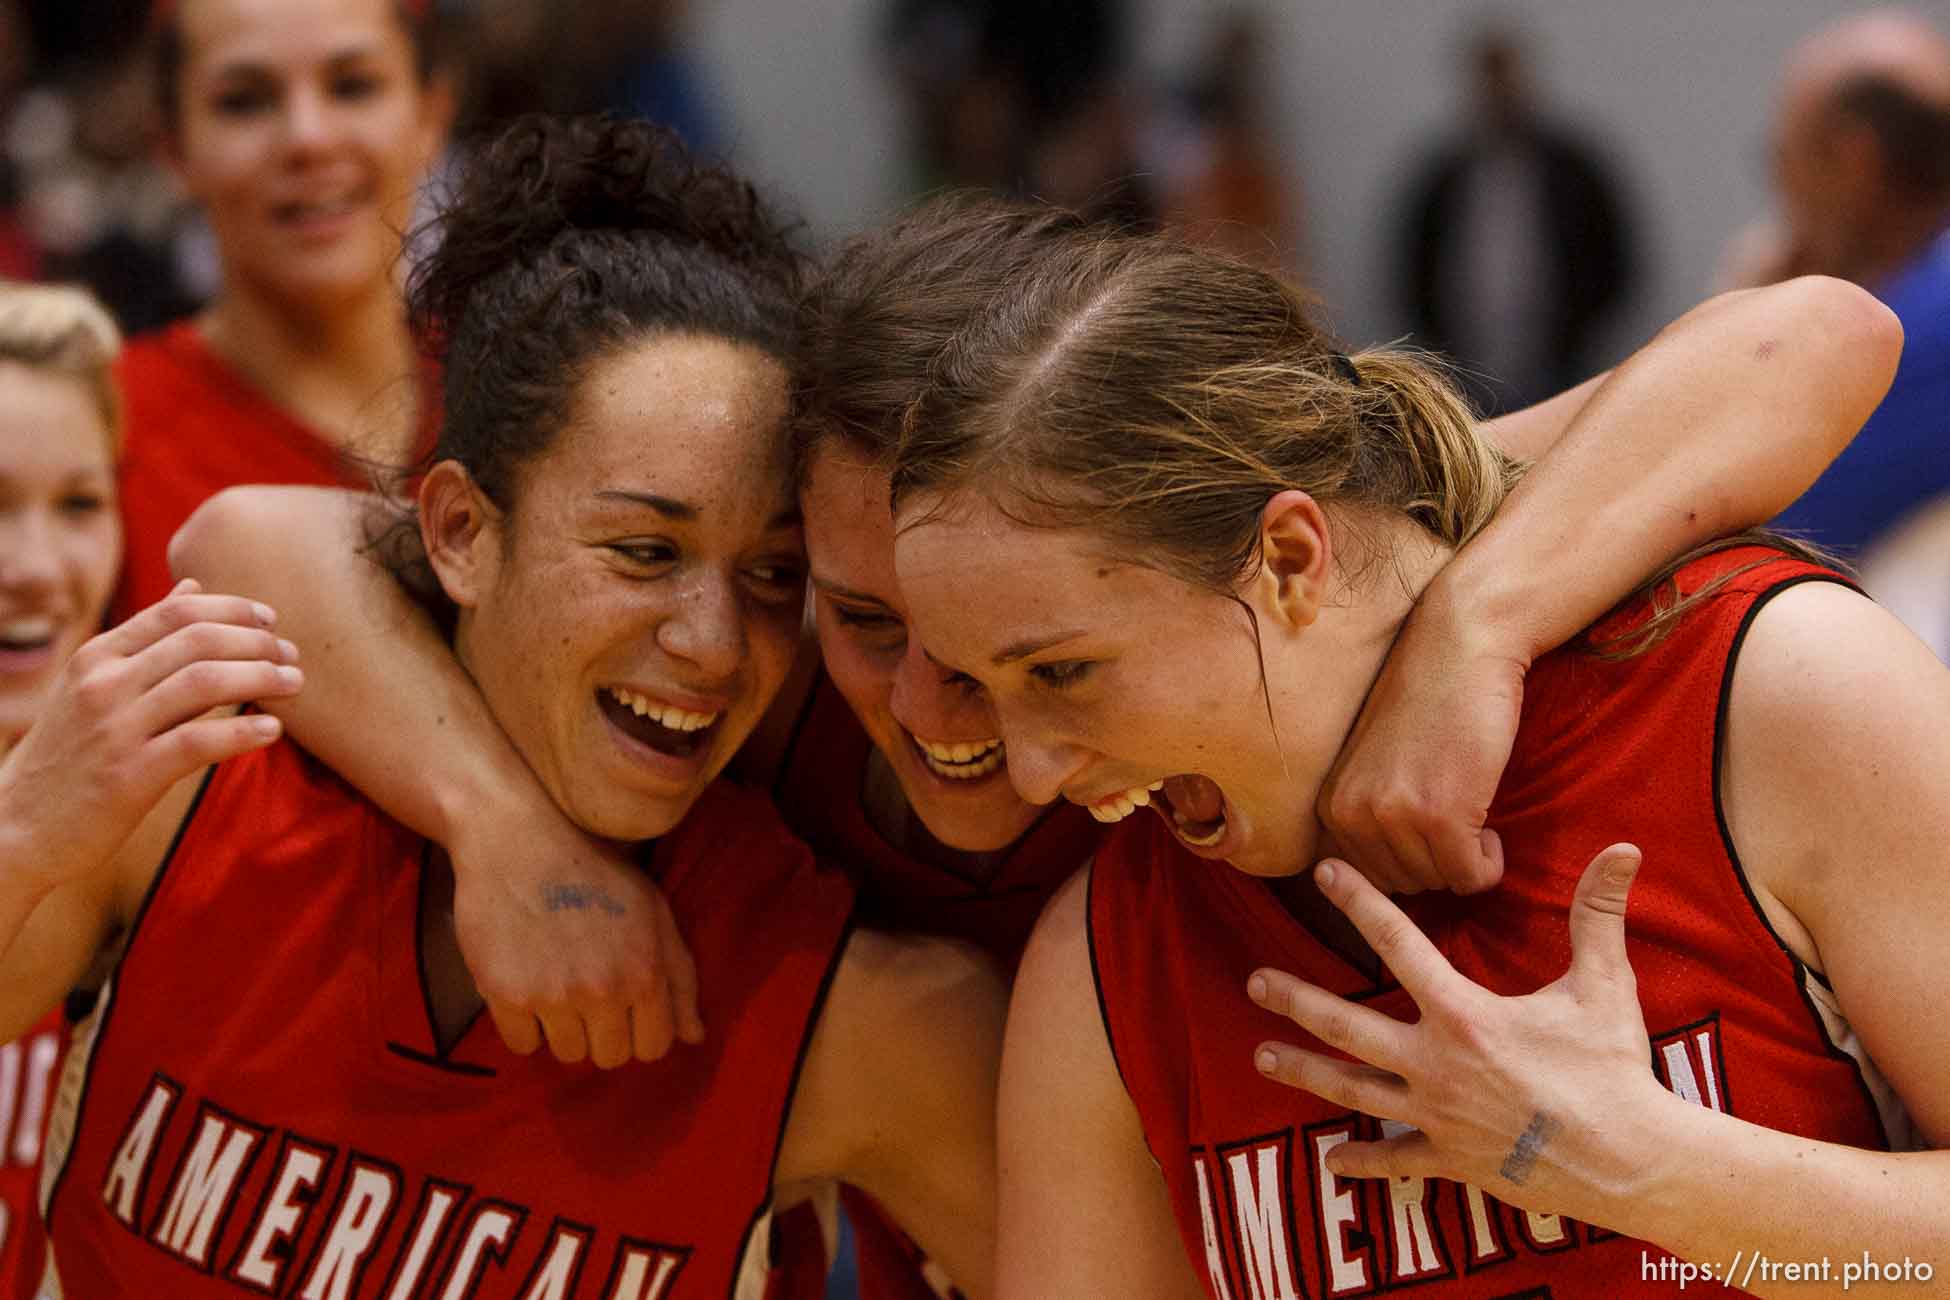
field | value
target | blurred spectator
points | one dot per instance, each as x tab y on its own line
1862	176
1217	178
1021	97
1517	242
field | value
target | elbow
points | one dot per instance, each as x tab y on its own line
221	526
1857	340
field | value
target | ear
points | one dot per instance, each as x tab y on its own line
1296	561
461	530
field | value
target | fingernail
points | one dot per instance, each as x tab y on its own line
287	651
1324	875
1256	988
1266	1061
265	614
265	725
290	677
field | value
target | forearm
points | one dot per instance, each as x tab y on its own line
385	704
1825	1205
1718	424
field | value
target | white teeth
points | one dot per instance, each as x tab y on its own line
960	760
1205	841
27	631
668	715
1116	807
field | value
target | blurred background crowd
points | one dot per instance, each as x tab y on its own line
1531	189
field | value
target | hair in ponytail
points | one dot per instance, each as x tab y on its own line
1158	394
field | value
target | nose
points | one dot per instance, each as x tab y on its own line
707	628
308	120
1041	763
933	702
29	559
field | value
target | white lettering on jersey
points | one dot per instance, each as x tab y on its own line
644	1271
1339	1213
1689	1060
206	1179
1546	1231
1416	1255
1258	1189
1215	1262
42	1051
293	1189
489	1231
128	1172
560	1265
429	1227
364	1206
1486	1242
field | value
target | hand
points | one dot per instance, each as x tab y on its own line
1408	798
568	940
127	720
1538	1100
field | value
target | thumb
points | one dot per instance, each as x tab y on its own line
1598	915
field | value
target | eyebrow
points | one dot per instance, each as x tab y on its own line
1032	645
672	508
254	65
845	592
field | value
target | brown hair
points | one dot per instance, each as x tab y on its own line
1159	394
417	18
65	331
885	305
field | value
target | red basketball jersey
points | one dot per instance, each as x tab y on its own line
1605	752
27	1078
261	1106
818	790
193	426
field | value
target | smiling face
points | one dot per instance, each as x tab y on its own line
632	614
303	128
1116	685
60	536
932	725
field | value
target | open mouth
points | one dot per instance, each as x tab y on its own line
663	727
27	644
1193	806
959	760
311	212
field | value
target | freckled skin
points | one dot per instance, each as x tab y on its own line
886	676
580	592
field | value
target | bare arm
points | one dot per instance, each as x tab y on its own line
1084	1211
1717	424
91	796
565	938
898	1096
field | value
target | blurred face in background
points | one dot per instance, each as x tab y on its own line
304	128
60	535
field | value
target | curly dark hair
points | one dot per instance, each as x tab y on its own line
567	239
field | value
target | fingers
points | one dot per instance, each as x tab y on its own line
1467	860
568	1040
681	972
185	605
518	1029
1598	915
1361	1032
213	684
611	1034
1395	939
207	641
1344	1083
1408	1156
202	741
651	1029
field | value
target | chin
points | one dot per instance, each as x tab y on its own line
976	830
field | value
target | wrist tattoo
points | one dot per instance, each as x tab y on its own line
578	898
1530	1144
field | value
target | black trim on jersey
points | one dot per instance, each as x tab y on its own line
439	1062
108	1012
813	1014
1097	975
441	1052
1799	969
